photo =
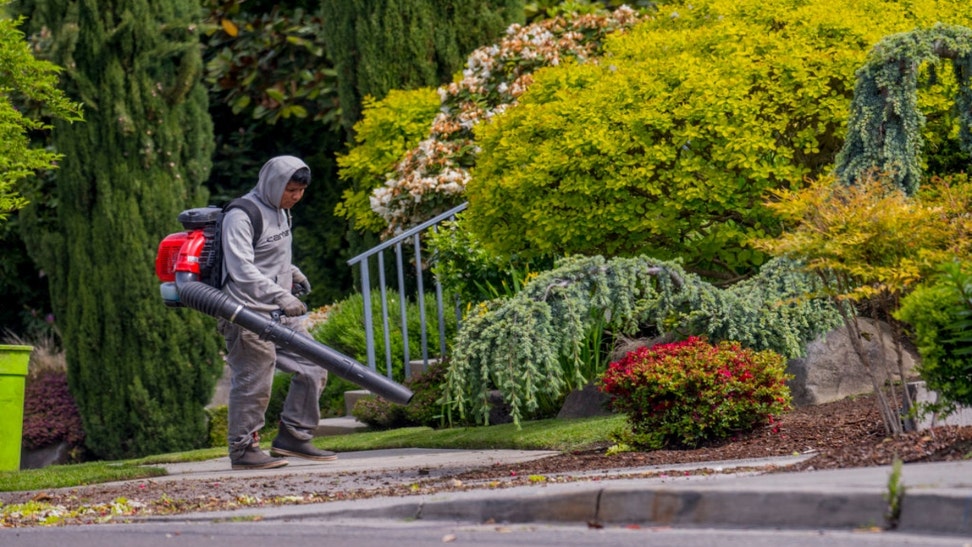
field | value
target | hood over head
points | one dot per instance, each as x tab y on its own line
274	176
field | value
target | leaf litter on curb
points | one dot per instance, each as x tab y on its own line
842	434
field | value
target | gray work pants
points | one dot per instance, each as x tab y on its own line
252	362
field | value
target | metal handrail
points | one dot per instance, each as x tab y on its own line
409	233
363	260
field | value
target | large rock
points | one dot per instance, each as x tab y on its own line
499	409
585	403
832	370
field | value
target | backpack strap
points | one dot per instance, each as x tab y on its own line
214	275
252	211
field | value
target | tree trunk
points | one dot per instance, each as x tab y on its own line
889	415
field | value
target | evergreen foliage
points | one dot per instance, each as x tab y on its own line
269	62
380	45
885	127
666	146
140	372
518	345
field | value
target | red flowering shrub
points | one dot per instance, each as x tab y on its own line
684	393
50	413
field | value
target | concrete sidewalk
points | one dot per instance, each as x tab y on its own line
937	499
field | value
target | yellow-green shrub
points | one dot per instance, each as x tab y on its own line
431	176
667	145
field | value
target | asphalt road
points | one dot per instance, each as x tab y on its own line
387	533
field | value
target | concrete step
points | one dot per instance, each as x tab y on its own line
339	426
344	424
419	366
353	396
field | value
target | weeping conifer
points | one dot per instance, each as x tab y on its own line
380	45
141	373
885	124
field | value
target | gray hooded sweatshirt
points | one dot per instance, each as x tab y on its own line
259	276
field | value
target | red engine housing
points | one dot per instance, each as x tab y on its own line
179	252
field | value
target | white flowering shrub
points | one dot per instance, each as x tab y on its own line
432	176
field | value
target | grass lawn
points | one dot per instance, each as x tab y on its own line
553	434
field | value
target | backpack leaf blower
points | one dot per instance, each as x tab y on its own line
185	258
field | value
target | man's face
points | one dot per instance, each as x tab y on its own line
292	194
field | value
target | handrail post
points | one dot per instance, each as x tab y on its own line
384	314
369	327
402	303
421	298
439	308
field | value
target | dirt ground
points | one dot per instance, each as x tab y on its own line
843	434
846	433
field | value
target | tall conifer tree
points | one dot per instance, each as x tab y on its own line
141	373
380	45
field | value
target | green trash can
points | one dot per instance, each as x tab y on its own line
13	372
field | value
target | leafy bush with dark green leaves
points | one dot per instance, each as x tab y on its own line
940	314
344	329
218	425
465	268
425	408
685	393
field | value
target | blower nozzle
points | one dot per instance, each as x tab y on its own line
211	301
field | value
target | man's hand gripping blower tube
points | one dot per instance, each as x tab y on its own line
184	260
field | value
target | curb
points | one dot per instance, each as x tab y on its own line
937	512
936	497
618	505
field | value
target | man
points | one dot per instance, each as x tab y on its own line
262	277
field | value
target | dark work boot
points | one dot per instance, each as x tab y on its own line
254	458
287	445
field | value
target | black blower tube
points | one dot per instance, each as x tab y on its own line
211	301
